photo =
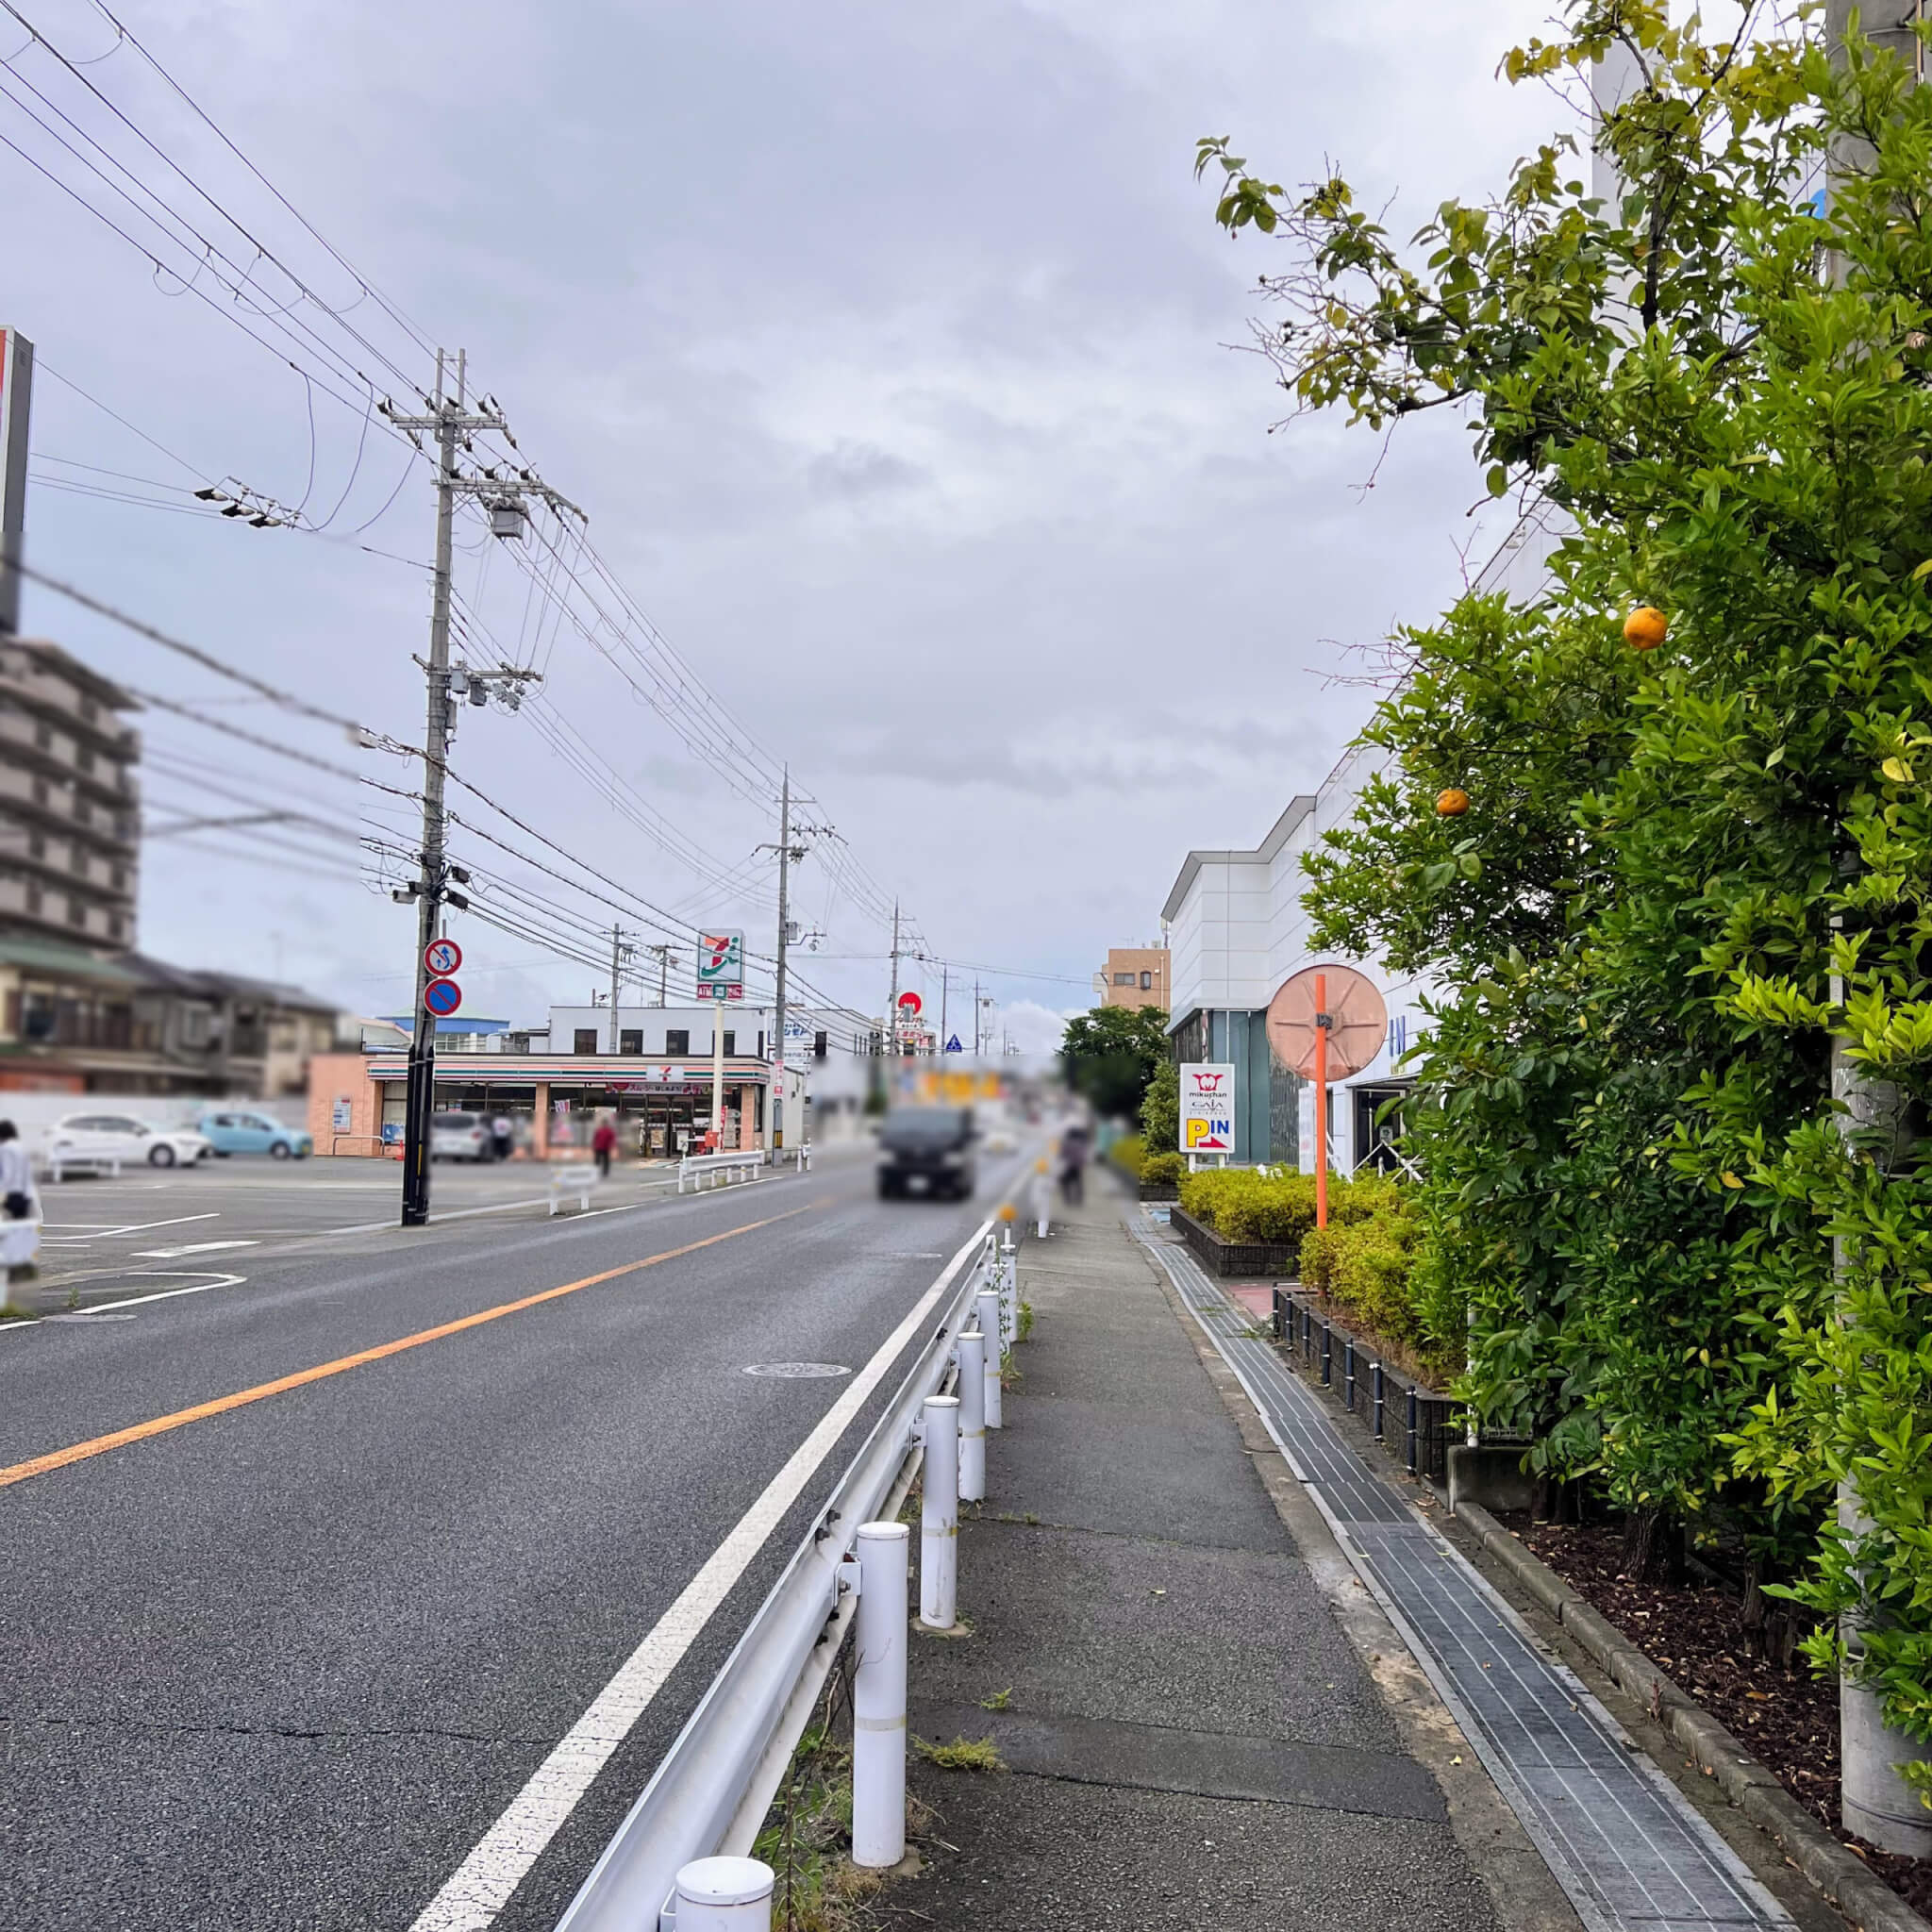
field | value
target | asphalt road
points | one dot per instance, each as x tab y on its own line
283	1662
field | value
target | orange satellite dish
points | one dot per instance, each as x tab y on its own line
1360	1021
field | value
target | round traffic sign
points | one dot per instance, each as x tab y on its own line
910	1003
442	957
443	997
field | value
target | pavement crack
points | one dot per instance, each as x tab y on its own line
297	1732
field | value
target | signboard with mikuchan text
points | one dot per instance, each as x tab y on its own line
1208	1107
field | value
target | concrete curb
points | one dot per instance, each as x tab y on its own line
1838	1874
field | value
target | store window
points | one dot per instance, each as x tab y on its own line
586	1038
730	1043
631	1040
677	1040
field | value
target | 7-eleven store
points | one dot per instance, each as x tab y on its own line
660	1105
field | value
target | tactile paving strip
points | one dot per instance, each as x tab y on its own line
1622	1840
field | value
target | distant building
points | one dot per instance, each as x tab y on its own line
70	804
1135	976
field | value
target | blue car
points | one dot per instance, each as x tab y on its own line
241	1130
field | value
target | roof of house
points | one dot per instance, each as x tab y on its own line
54	956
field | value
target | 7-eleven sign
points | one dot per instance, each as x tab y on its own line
721	961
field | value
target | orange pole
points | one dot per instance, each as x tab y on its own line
1320	1100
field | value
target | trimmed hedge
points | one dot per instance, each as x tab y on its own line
1162	1169
1128	1154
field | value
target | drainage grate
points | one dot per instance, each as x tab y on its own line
1624	1844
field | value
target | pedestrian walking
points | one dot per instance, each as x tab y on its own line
1073	1163
603	1145
503	1134
16	1174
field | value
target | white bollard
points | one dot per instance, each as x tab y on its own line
725	1895
878	1698
939	1516
1010	1292
990	1326
1042	1199
972	1416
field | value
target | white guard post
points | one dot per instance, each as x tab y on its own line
878	1698
972	1416
1009	1290
988	1304
1042	1198
939	1516
725	1895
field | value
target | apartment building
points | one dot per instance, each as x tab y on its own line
69	803
1134	976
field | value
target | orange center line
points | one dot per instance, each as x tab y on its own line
181	1418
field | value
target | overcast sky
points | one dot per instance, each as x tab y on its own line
887	348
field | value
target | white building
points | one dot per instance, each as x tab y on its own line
1237	931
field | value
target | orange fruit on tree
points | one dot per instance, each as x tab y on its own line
1452	803
1645	627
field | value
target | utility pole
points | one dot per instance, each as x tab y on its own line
665	955
619	954
945	989
787	853
451	422
977	1036
892	1017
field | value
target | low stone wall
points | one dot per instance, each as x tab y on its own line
1235	1260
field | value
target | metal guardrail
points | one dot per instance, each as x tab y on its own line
696	1166
711	1792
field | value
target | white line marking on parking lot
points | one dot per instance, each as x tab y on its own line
104	1232
164	1294
481	1886
191	1248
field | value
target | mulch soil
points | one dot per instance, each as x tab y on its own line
1788	1720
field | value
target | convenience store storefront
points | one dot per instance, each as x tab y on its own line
356	1100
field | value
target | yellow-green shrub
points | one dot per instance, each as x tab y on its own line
1162	1169
1127	1154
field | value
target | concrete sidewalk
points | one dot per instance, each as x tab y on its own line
1205	1721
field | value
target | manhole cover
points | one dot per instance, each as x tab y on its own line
797	1371
83	1316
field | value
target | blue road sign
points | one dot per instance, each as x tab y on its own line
953	1045
443	997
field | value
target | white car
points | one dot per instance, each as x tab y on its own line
461	1136
86	1139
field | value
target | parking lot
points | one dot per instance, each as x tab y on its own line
182	1230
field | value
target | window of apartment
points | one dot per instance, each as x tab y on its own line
80	860
117	926
43	734
730	1043
1146	982
1124	980
194	1026
40	792
630	1039
84	758
76	912
33	898
820	1045
83	812
586	1038
677	1040
120	878
36	845
88	710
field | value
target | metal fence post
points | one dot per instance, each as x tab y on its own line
1375	1382
878	1697
1412	1428
988	1304
1348	1373
972	1416
939	1516
1327	1357
1010	1280
725	1895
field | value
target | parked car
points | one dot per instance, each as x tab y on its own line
926	1150
78	1138
240	1130
461	1136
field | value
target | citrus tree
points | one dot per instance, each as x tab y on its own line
1696	849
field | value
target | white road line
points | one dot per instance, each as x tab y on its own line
165	1294
104	1233
481	1886
190	1248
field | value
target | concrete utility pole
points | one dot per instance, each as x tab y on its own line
619	954
1877	1803
665	955
786	852
892	1017
452	422
945	989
